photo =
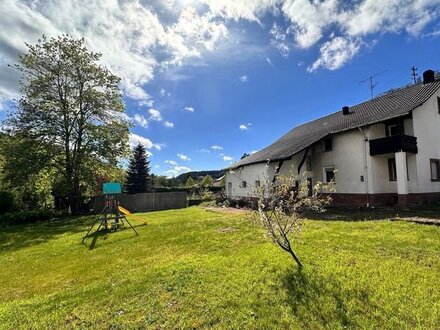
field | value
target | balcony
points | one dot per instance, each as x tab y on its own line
392	144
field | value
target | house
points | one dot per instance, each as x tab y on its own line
386	151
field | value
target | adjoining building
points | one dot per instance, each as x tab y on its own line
386	151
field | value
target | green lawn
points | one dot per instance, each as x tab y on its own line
201	269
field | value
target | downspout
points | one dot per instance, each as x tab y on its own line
365	167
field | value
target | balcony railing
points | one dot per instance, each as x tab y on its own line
391	144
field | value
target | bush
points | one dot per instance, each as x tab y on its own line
24	217
6	201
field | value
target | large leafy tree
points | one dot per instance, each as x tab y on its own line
138	173
69	120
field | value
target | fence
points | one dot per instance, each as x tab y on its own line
146	202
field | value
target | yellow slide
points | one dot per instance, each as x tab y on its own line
127	212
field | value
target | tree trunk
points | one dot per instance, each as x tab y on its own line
300	265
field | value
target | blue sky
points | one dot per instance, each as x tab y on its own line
205	81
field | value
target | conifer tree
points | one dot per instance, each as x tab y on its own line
138	173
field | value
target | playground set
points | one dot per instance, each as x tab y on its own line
113	215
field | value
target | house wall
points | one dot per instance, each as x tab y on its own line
347	157
290	167
426	121
250	174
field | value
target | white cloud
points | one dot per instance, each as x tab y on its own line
158	146
171	162
182	169
176	168
373	16
155	115
163	92
279	41
335	53
203	150
135	139
129	34
192	34
183	157
243	127
168	124
137	38
189	109
253	151
309	19
216	147
141	120
269	61
227	158
243	78
237	10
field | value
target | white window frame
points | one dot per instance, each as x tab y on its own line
324	173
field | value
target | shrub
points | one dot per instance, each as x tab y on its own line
6	201
24	217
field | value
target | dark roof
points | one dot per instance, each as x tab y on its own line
394	104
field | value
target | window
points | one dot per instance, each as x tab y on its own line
244	184
438	104
392	173
394	129
435	169
328	144
257	184
309	163
329	174
229	187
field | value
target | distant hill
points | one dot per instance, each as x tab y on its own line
182	178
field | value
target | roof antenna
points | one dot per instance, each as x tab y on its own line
372	85
414	74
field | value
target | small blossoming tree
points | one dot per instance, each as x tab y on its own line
282	205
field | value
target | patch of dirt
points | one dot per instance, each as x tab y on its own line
425	221
226	210
227	230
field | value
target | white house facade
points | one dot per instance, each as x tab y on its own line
386	151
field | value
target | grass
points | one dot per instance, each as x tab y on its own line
198	269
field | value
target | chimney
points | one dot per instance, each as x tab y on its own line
428	76
345	110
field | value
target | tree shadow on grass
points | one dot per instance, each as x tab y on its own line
15	237
319	301
103	234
